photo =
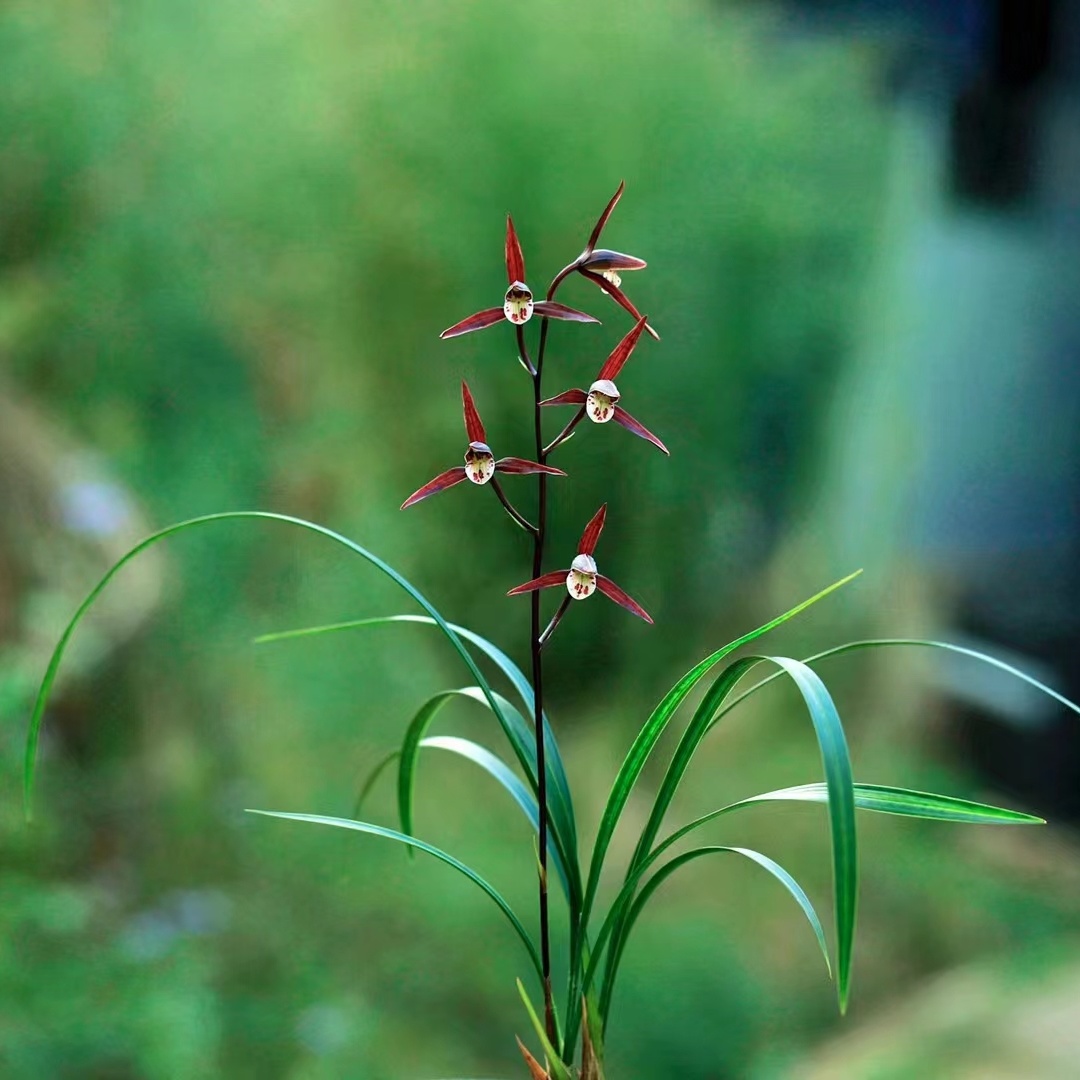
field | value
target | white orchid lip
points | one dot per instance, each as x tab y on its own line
612	276
518	303
581	581
479	463
601	401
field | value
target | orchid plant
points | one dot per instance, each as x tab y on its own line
570	1031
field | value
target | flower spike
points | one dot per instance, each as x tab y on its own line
581	580
480	465
601	402
518	305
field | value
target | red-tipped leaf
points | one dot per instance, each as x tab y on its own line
515	261
592	532
623	417
613	592
606	259
552	310
480	321
516	466
545	581
598	228
474	426
441	482
621	353
567	397
619	297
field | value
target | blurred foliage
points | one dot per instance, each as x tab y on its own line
229	236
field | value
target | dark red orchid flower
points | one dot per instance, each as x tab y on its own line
601	403
581	579
601	265
480	464
518	304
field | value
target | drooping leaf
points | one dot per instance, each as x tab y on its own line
654	728
635	906
372	779
412	841
495	767
37	715
878	643
560	803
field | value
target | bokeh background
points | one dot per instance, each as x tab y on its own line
229	236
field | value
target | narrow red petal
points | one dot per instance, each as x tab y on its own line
623	417
516	466
598	228
545	581
592	532
605	259
474	427
441	482
552	310
515	261
619	297
621	353
482	319
567	397
613	592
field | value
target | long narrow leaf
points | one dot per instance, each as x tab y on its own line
392	834
654	727
878	643
873	797
34	730
372	779
839	785
774	868
561	806
495	767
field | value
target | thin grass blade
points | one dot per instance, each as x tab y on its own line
412	841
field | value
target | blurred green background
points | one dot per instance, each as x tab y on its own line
229	237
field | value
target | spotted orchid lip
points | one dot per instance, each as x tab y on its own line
479	463
518	303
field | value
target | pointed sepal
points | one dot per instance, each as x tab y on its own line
623	417
515	261
474	426
567	397
598	228
551	310
441	482
621	353
613	592
545	581
480	321
515	466
619	297
592	532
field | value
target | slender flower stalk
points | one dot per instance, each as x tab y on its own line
519	306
